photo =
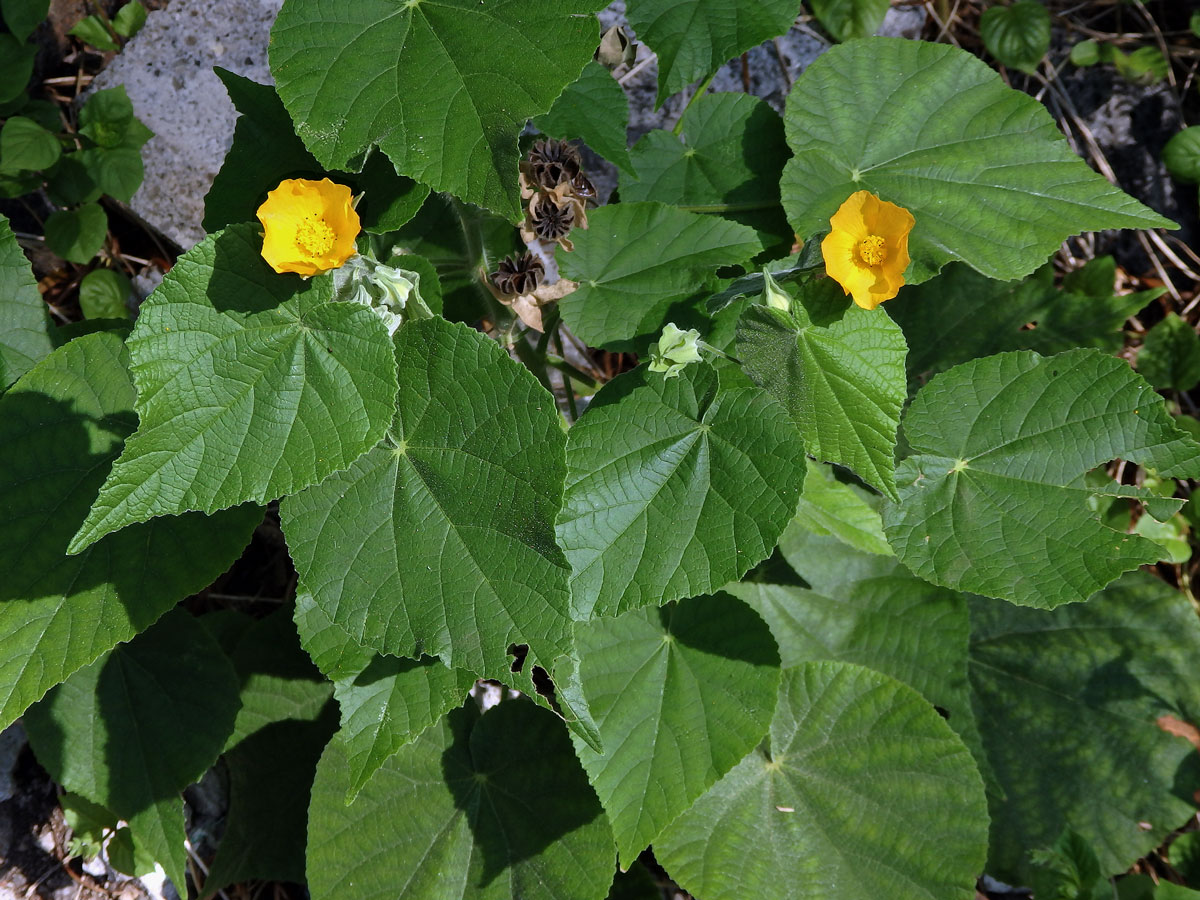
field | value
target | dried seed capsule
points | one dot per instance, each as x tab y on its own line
553	162
519	274
549	220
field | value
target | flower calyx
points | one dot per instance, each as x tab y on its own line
391	292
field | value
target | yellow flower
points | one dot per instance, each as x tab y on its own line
867	250
309	226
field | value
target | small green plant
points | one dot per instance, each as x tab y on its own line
75	159
1145	65
1017	35
106	34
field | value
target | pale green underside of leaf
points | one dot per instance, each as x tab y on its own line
440	541
829	506
992	499
250	386
635	259
983	168
24	322
679	695
1068	701
694	38
491	807
839	370
442	86
60	428
795	819
139	725
593	109
674	487
726	160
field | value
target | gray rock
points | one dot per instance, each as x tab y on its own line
904	21
167	71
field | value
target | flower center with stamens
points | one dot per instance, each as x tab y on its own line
872	250
314	236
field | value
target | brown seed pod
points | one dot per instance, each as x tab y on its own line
518	274
552	162
549	220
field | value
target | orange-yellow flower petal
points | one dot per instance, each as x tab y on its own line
866	250
309	226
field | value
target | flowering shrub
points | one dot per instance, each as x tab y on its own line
823	599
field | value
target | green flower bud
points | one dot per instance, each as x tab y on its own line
775	296
675	349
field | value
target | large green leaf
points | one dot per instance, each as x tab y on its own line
480	807
992	499
250	385
636	259
139	725
861	791
388	704
265	150
983	168
694	38
836	539
674	487
278	680
1068	701
440	541
679	695
961	315
442	86
24	321
838	369
270	778
594	109
286	719
726	159
61	426
896	624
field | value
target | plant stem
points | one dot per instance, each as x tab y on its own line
678	129
568	389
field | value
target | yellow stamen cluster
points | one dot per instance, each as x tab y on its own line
872	249
314	236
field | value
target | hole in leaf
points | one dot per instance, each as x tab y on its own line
518	652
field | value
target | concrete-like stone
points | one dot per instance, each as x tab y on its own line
167	70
